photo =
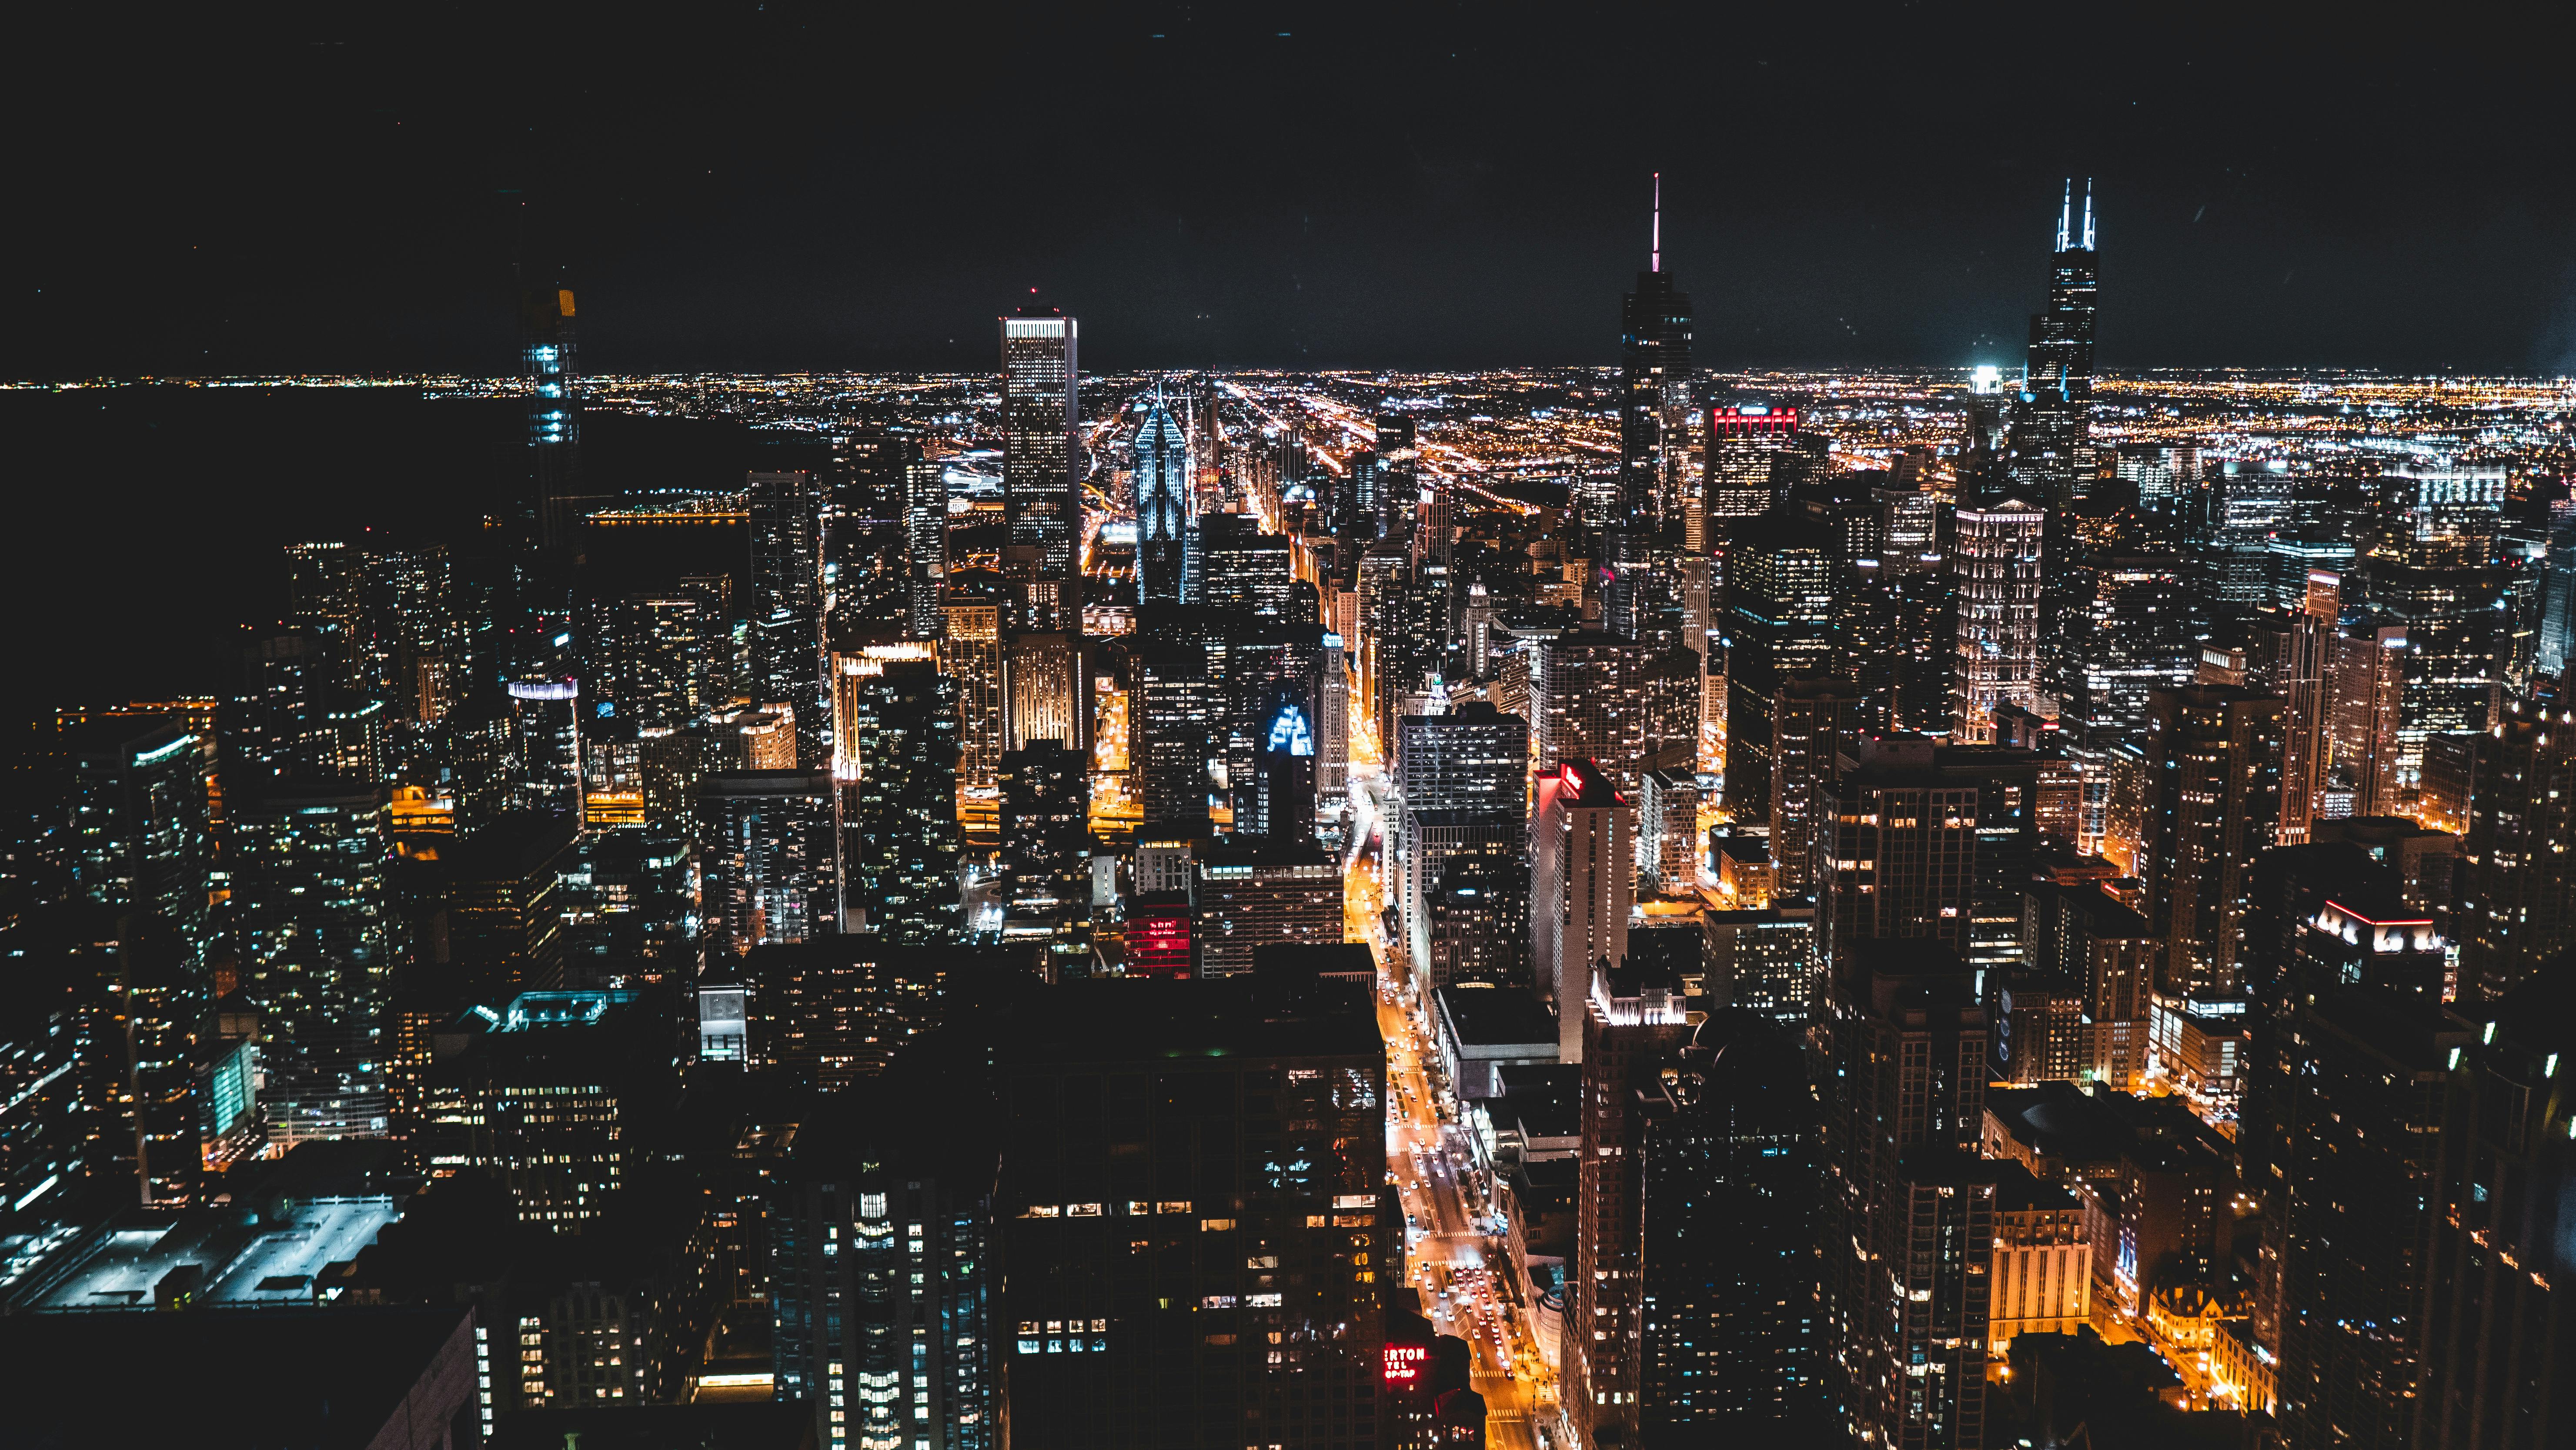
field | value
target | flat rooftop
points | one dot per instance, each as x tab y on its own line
247	1262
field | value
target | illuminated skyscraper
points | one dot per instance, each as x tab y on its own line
897	774
1163	468
1735	471
1041	470
1995	561
1583	873
771	866
550	361
2051	450
787	605
1283	793
2216	805
317	949
925	534
867	535
1654	385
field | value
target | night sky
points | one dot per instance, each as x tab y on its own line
785	185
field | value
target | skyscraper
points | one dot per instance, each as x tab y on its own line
1041	470
1162	503
550	361
1736	466
897	774
1995	561
1583	873
787	605
317	945
1654	387
2051	450
1046	850
771	867
2216	806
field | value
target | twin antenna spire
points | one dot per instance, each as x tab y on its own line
1655	245
2066	217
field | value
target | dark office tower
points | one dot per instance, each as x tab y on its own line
135	804
557	1095
1778	622
317	943
898	783
1736	466
925	534
653	658
1904	1075
550	362
1256	1191
1654	387
1399	472
2356	1073
2061	338
1633	1023
411	638
1178	710
1995	567
322	596
2517	903
1356	500
2140	639
2498	1358
867	544
1929	817
546	721
1046	850
882	1264
1727	1199
1041	470
1814	719
770	866
274	726
2216	805
1479	921
787	605
1162	503
1246	571
1629	706
1283	794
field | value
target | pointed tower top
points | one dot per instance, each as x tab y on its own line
2066	213
2088	213
1655	253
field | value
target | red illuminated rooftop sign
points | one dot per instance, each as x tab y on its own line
1404	1363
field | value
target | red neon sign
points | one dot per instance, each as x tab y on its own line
1404	1362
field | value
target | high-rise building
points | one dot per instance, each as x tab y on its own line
970	652
867	534
1163	505
1048	692
136	838
2140	639
1583	873
2497	1360
2216	805
317	945
1283	792
655	658
1814	720
1906	1309
557	1095
1727	1179
1041	470
1242	569
2304	677
1633	1025
770	865
2050	457
550	360
897	774
893	1183
1046	849
1243	1243
1257	895
1474	758
787	605
1654	387
1780	600
1627	705
1736	469
1177	713
1333	723
1995	564
925	534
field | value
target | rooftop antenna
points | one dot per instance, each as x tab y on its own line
2066	212
1657	244
2088	213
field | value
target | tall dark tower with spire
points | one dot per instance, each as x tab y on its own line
2061	338
2050	462
550	360
1654	387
